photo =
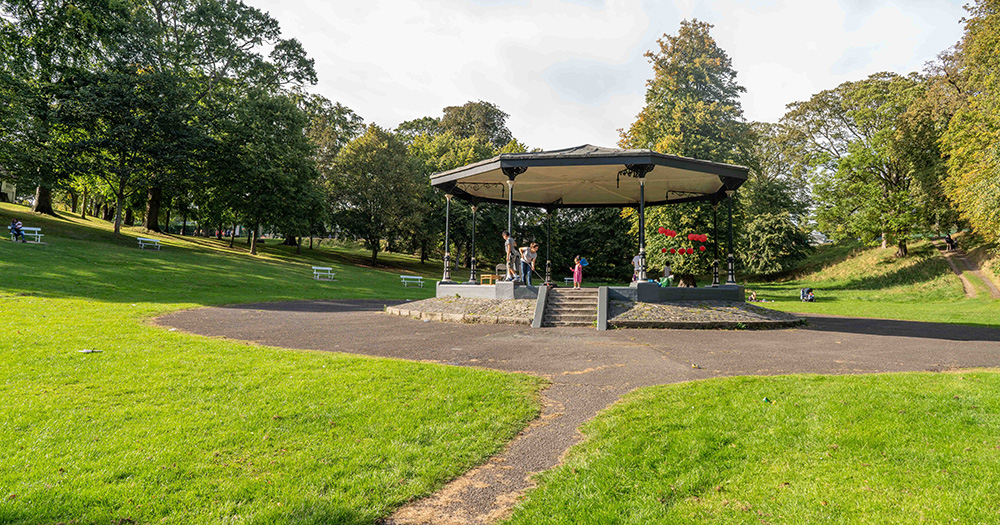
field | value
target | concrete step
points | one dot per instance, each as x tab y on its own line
586	318
568	323
572	302
551	309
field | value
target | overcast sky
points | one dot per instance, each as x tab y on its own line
572	72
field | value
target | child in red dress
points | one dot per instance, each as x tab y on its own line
577	273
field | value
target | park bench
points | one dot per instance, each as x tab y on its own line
568	280
143	242
30	232
415	279
488	278
323	273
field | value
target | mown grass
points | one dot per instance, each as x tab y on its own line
852	281
901	448
166	427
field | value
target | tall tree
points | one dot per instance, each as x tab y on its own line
41	41
374	187
477	119
971	141
693	110
855	135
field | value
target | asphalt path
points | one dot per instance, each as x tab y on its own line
589	370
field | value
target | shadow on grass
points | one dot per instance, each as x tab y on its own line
893	328
319	306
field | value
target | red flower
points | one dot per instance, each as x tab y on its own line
690	251
702	248
661	229
673	250
664	250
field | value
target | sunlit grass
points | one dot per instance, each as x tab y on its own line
164	427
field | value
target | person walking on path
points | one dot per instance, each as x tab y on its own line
529	254
577	273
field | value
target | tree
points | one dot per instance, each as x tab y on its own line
970	142
692	110
373	187
411	129
854	136
41	40
263	170
477	119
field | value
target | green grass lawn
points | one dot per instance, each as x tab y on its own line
165	427
900	448
852	281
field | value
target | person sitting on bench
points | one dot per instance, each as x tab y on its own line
16	229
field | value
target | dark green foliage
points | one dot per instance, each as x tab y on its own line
477	119
774	244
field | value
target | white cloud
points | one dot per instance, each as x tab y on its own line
571	71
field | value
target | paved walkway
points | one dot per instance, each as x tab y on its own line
589	369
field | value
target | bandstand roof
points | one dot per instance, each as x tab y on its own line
590	176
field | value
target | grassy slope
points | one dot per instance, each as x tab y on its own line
902	448
173	428
852	281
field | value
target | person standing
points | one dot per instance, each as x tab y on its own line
636	266
529	254
577	273
510	253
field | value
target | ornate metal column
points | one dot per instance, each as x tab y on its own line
472	262
639	171
730	259
511	173
715	243
446	278
548	248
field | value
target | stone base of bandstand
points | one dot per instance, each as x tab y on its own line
653	293
500	290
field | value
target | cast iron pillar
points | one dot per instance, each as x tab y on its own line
472	262
730	259
715	243
446	278
511	173
639	171
642	229
548	246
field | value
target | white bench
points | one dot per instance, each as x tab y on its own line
143	242
415	279
29	232
323	273
568	280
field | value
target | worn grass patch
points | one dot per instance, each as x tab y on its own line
164	427
897	448
874	283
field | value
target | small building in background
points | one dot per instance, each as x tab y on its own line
7	191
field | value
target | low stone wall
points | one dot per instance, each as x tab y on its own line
698	315
468	310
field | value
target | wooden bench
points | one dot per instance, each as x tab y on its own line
415	279
29	232
488	278
323	273
143	242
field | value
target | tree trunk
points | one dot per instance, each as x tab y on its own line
885	241
73	201
109	212
83	207
218	233
289	240
184	224
232	236
310	242
901	249
374	246
423	252
118	211
153	197
43	200
687	281
298	246
166	221
253	241
129	217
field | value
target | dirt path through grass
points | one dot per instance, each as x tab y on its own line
961	264
589	370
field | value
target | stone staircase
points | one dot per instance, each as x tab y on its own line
569	307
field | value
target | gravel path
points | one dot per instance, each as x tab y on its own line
589	369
